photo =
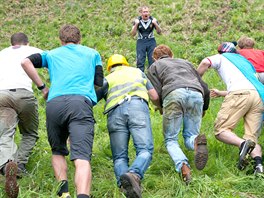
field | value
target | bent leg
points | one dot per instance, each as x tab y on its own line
140	128
60	167
28	125
83	176
8	122
172	120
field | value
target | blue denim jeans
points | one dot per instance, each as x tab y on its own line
181	106
130	118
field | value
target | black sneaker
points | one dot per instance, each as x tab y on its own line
245	149
2	171
22	171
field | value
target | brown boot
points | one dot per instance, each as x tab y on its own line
11	186
186	174
201	152
130	182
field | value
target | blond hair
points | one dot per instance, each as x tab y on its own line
245	42
143	7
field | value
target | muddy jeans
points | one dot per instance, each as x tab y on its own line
182	106
17	107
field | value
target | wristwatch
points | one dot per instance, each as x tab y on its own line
41	87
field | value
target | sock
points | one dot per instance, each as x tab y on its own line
83	196
63	187
258	160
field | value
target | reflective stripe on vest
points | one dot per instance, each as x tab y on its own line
135	85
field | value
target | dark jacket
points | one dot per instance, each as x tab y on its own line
168	74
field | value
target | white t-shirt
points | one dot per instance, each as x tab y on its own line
12	75
230	74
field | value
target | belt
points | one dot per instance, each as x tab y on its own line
127	98
192	89
145	37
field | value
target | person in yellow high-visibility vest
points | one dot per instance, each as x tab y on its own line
127	91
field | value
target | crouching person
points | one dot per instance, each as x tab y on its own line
127	91
185	98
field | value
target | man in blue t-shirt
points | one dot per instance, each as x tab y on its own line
74	69
144	25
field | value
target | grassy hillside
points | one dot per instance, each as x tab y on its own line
193	29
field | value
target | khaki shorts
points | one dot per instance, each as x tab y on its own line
245	104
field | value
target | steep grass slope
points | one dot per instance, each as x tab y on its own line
193	29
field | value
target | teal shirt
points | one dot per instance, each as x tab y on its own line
72	69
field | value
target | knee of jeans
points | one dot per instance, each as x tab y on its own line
189	143
119	161
8	118
146	154
171	144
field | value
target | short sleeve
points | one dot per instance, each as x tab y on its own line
98	60
215	61
44	59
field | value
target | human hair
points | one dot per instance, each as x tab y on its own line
19	39
143	7
70	34
161	51
245	42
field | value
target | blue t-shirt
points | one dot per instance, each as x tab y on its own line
72	69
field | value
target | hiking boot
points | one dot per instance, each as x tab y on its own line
258	169
65	195
22	171
245	149
130	182
201	152
186	174
11	186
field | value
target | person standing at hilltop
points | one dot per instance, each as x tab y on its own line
144	25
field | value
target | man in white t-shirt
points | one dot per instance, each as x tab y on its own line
241	101
18	107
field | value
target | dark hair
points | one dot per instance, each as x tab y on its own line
70	34
162	50
19	39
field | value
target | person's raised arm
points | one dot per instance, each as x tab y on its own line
135	27
156	24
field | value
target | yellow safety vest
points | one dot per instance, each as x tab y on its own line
125	81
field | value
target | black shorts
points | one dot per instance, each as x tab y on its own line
70	116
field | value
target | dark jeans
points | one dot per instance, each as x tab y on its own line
145	47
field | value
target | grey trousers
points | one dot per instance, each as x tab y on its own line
18	107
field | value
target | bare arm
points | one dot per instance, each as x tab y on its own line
33	74
217	93
135	27
154	97
155	23
203	66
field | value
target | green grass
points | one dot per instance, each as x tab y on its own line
193	29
